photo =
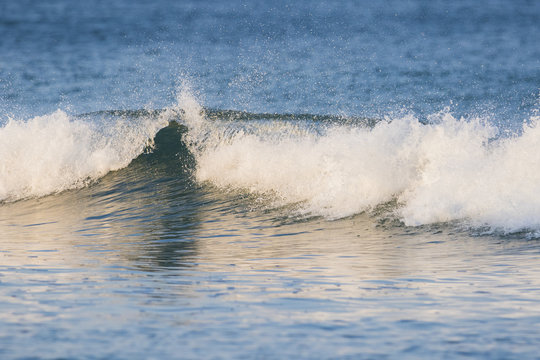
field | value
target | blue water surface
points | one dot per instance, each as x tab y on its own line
348	57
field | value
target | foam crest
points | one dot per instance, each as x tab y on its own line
52	153
335	174
451	169
465	178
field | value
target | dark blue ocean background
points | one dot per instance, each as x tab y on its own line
269	179
350	57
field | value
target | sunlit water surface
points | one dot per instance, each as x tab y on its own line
160	272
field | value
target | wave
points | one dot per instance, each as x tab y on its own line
52	153
438	171
447	169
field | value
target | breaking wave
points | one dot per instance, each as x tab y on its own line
56	152
444	170
448	169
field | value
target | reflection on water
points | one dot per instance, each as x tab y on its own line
168	266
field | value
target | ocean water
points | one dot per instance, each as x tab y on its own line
269	180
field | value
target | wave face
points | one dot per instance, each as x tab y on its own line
56	152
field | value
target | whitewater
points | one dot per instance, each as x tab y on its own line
438	171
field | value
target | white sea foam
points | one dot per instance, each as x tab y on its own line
449	170
52	153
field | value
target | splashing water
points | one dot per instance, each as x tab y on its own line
451	169
56	152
